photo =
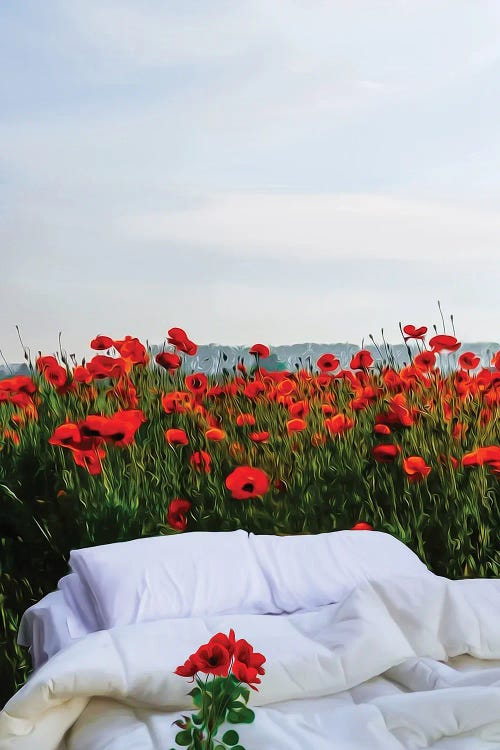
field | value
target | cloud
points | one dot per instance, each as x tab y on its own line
323	226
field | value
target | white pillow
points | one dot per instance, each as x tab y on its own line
212	573
183	575
311	570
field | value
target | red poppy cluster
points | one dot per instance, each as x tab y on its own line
86	438
222	655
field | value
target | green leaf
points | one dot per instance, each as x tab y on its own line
241	715
230	737
183	738
197	719
238	747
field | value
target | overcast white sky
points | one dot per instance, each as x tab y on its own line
249	170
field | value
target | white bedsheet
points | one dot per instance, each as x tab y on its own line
44	628
365	673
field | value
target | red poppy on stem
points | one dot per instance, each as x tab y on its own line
197	383
260	350
424	360
132	350
100	343
362	526
177	402
215	434
176	514
245	419
442	342
52	371
385	454
176	436
338	424
178	337
415	468
101	366
414	333
328	363
212	658
468	361
201	461
259	437
246	482
361	360
170	361
296	425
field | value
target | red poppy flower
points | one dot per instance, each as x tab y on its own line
132	350
52	371
188	669
178	337
90	459
260	350
246	482
176	514
18	384
212	658
101	366
385	454
361	360
415	468
299	409
259	437
296	425
328	363
196	383
424	360
382	429
170	361
201	461
68	435
328	409
120	428
82	375
100	343
362	526
480	456
227	641
215	434
254	389
468	361
495	361
245	419
338	424
243	652
176	436
442	342
414	333
177	402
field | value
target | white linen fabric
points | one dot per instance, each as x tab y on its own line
208	573
364	673
43	628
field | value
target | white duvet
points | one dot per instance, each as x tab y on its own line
380	669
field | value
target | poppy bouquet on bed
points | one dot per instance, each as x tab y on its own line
229	665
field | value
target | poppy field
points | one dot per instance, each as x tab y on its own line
129	444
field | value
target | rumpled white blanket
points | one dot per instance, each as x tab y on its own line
365	673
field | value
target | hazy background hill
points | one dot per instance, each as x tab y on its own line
213	358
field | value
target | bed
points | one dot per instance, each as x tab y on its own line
365	648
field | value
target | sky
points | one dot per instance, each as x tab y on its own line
250	171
